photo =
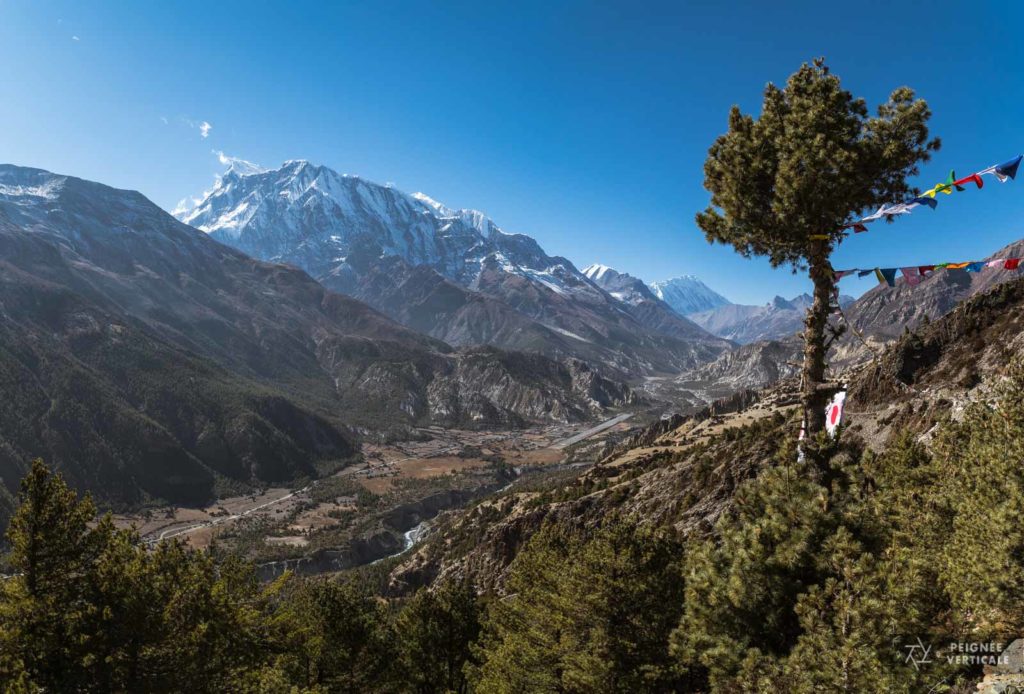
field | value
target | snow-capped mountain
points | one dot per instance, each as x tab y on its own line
622	286
687	295
453	274
648	309
314	217
148	361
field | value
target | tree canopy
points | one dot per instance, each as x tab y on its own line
814	157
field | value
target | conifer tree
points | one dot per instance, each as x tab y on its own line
785	183
587	614
435	631
982	556
52	549
332	634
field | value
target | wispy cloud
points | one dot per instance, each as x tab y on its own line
75	38
181	208
203	126
163	119
237	163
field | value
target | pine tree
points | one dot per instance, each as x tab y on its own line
587	614
982	559
331	634
435	631
521	647
784	184
52	550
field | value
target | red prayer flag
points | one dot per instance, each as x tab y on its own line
858	228
1011	264
975	178
925	268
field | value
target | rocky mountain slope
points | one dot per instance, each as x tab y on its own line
884	312
687	295
453	273
683	471
146	361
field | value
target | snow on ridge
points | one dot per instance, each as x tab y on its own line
301	208
47	190
597	271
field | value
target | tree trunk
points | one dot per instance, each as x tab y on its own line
815	391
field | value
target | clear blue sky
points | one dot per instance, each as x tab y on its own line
583	124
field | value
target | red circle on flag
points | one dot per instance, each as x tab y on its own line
834	414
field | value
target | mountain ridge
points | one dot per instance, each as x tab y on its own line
144	358
372	242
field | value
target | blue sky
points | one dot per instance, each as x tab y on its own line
583	124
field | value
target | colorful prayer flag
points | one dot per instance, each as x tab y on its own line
1009	169
1012	264
974	267
912	275
1003	171
973	178
886	275
944	187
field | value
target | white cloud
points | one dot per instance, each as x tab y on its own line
75	38
164	119
204	129
181	208
238	164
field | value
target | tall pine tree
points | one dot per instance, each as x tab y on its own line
784	184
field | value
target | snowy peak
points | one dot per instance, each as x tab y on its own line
687	295
313	217
622	286
597	272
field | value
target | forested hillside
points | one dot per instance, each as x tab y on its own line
728	567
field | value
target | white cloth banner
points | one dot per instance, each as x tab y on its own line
834	413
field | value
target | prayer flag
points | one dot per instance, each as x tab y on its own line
886	275
973	178
1003	171
925	268
994	263
956	266
912	275
865	273
1009	169
974	267
1012	264
945	187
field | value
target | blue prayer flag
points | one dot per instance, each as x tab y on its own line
1009	168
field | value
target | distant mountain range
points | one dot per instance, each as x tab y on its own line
687	295
775	320
452	274
146	361
701	305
